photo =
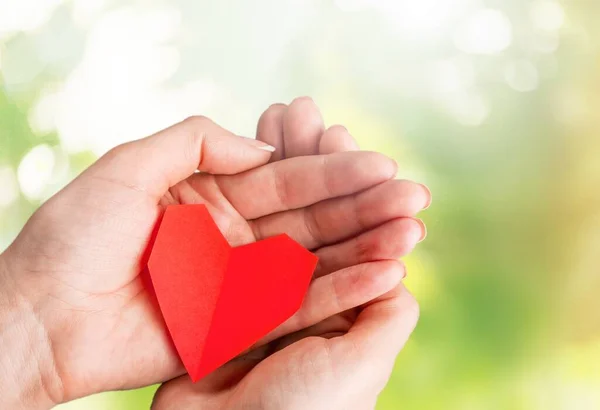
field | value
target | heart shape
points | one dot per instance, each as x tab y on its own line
217	301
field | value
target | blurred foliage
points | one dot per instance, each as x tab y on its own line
506	137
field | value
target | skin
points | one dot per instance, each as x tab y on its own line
344	361
75	315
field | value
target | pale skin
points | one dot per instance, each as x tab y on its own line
76	318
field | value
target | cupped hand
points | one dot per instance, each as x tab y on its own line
305	369
75	268
310	370
377	224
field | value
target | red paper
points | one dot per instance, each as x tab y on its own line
217	301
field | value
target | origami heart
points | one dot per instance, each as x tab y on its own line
216	300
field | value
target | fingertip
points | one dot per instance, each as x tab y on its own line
386	276
387	167
302	127
414	230
427	196
277	106
404	271
400	272
304	113
338	129
337	139
410	306
303	99
394	199
272	114
422	229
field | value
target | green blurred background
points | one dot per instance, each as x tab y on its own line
493	104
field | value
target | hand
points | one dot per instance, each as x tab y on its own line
74	270
309	370
388	233
228	386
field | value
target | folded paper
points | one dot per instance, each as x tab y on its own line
217	301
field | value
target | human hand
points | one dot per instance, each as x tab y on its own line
388	232
239	385
308	370
74	270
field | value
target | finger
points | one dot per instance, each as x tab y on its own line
156	163
373	342
270	129
340	291
383	327
391	240
302	128
334	220
299	182
337	139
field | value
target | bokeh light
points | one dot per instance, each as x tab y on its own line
486	31
521	76
35	171
547	15
9	188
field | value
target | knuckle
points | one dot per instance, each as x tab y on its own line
313	226
330	177
196	137
282	189
366	249
337	288
119	150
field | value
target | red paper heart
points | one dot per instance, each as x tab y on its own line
216	300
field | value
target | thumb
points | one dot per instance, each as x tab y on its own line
379	333
156	163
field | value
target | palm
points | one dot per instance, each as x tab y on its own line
325	371
249	382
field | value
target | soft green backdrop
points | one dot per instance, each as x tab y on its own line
494	104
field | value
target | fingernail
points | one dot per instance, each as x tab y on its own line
259	144
423	229
428	194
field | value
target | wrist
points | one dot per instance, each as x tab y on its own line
28	377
